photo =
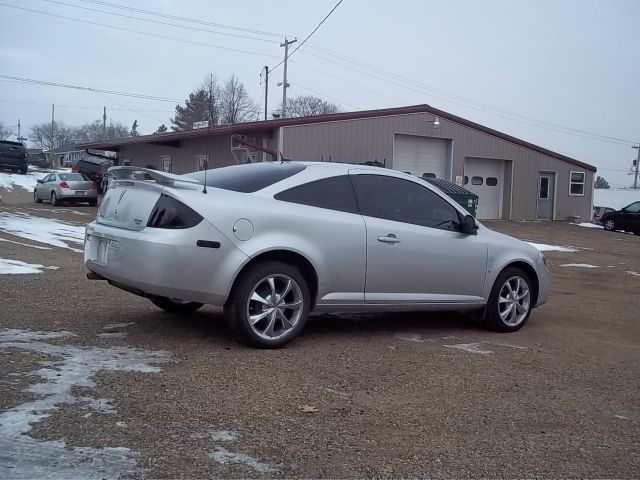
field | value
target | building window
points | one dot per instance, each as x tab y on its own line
491	181
466	180
126	162
576	183
166	163
203	161
476	180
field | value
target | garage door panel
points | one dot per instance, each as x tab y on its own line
485	178
420	155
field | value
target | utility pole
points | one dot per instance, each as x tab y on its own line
637	162
285	85
53	110
104	123
18	128
266	89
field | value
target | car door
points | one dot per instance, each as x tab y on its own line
415	252
631	217
42	188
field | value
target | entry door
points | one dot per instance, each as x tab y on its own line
546	189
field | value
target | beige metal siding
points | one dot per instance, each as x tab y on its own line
371	139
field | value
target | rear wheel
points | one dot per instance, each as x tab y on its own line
175	305
24	170
36	198
269	305
510	302
610	225
93	202
54	199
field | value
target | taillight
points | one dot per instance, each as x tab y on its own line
74	169
170	213
93	186
98	174
63	185
24	155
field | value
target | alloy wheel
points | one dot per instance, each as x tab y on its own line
513	301
275	306
609	225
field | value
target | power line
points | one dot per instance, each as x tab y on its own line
130	30
83	107
162	23
128	108
311	34
185	19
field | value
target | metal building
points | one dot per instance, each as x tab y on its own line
514	179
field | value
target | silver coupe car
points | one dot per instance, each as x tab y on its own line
66	187
272	241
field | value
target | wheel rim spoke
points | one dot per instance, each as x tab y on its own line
256	318
513	301
272	284
295	305
257	298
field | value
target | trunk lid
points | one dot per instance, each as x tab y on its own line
80	185
128	204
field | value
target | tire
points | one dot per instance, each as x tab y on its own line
506	312
36	199
610	225
93	202
276	325
55	201
174	305
24	170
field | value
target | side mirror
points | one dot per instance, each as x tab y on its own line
39	181
468	225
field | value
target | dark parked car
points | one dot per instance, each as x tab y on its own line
627	219
93	167
13	155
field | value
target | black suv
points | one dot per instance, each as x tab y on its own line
13	155
627	219
93	167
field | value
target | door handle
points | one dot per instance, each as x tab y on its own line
390	238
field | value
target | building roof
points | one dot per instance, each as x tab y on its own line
270	125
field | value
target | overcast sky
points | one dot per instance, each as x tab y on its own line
575	63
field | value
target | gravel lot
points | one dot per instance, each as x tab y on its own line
134	392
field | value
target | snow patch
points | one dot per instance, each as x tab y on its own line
26	457
28	181
44	230
579	265
412	337
635	274
17	267
470	347
588	225
543	247
115	326
224	456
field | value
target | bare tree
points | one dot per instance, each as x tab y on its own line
48	139
309	106
4	132
236	104
214	99
93	132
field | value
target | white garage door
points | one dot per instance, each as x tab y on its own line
420	155
485	178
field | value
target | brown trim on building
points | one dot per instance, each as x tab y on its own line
269	126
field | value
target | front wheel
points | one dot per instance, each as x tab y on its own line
510	302
610	225
174	305
36	198
269	305
93	202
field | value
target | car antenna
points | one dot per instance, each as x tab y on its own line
205	164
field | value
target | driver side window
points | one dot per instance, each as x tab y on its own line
634	208
400	200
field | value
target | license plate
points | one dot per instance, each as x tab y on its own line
102	250
81	192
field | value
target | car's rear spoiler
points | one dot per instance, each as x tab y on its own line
137	173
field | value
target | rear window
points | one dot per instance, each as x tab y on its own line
73	177
248	178
8	145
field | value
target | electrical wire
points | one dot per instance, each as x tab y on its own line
130	30
311	34
163	23
83	107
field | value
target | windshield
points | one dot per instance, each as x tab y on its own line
73	177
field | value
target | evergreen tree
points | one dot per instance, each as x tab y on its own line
134	129
195	109
161	129
602	183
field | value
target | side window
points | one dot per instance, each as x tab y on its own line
335	193
634	208
576	183
52	178
491	181
403	201
476	180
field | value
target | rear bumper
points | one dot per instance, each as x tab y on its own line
68	194
163	262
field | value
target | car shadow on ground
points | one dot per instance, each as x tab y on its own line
209	324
